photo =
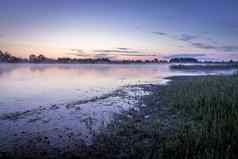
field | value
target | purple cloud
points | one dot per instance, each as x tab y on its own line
118	50
187	37
160	33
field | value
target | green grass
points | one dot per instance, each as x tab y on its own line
208	113
206	110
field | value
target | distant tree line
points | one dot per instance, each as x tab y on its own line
194	60
183	60
106	60
6	57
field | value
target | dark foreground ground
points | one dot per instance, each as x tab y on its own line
191	118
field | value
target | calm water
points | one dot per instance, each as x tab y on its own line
27	86
35	99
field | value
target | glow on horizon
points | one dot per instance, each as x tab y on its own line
163	28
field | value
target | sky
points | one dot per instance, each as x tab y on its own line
120	29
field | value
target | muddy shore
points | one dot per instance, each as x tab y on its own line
56	130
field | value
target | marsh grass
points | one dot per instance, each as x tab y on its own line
208	117
206	110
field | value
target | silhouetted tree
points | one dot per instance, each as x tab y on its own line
183	60
33	58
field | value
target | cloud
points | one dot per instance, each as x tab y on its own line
203	45
201	42
230	48
230	27
118	50
194	55
160	33
109	53
116	56
80	55
140	55
182	37
123	52
187	37
192	40
109	56
77	50
225	48
123	48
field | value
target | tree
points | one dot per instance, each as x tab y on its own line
33	58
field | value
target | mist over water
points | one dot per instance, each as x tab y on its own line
25	86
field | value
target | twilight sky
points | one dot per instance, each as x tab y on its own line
131	29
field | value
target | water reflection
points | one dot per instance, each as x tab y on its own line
57	100
24	86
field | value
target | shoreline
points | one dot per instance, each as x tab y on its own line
43	141
174	129
153	127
